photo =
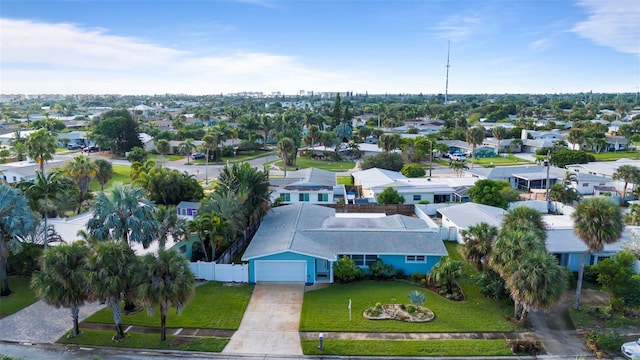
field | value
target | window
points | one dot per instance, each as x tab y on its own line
323	197
440	198
417	197
585	184
415	259
303	197
285	197
362	260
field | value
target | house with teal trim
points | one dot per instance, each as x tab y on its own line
301	242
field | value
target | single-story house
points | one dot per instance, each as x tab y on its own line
25	170
521	177
568	248
460	217
188	209
301	242
307	185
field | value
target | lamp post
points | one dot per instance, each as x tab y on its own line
430	156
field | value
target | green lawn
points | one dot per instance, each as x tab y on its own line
408	348
21	296
157	157
120	174
612	156
303	163
499	161
214	306
344	180
146	341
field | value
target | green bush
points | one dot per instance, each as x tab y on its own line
345	270
381	271
491	284
605	340
413	171
24	262
590	274
417	277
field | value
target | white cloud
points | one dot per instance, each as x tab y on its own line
539	45
457	28
615	24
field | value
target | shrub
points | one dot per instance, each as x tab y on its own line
412	171
607	340
381	271
401	274
590	274
519	347
417	297
345	270
491	284
417	277
24	262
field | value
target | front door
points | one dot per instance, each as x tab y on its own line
322	268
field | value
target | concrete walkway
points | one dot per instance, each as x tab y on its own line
270	323
41	323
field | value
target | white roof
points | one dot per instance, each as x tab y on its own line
605	167
376	177
470	214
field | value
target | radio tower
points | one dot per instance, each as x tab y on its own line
446	88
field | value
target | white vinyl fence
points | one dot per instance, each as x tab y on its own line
220	272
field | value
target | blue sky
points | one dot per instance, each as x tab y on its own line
223	46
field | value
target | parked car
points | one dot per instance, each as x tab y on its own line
197	156
91	149
73	146
457	157
631	349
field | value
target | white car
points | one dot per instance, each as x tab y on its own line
457	157
631	349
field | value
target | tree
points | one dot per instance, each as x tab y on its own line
169	223
167	281
137	154
286	149
524	217
229	207
510	246
597	221
388	161
499	133
562	193
616	275
564	157
123	215
389	196
446	272
16	220
63	278
490	192
209	144
186	147
537	283
389	142
116	129
478	242
576	137
104	172
81	170
413	171
41	146
475	137
628	174
344	132
458	166
163	147
113	268
250	185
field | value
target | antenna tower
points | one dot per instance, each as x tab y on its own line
446	88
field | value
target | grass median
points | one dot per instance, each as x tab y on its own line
408	347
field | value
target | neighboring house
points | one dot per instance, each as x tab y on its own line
586	183
568	248
606	169
7	137
542	135
187	209
309	185
75	138
521	177
481	151
302	242
460	217
147	142
25	170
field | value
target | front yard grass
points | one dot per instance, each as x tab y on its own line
120	175
21	296
146	341
214	306
612	156
304	162
408	348
511	160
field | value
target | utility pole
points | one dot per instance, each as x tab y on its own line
430	156
548	164
446	88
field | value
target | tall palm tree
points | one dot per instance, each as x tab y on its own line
266	125
597	221
16	220
104	172
458	166
475	137
41	146
82	170
186	147
209	144
524	217
249	184
537	283
124	215
229	207
510	246
286	148
163	147
499	133
389	142
478	242
167	281
628	174
169	223
113	268
41	192
63	278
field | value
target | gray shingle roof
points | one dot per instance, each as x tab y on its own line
314	230
469	214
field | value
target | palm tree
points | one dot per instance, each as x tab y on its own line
163	147
186	148
524	217
313	133
475	137
633	216
209	143
229	207
597	221
286	147
170	223
458	166
41	146
478	241
63	278
82	170
124	215
445	273
629	174
42	190
112	272
16	220
510	246
499	133
104	172
537	283
250	185
389	142
167	281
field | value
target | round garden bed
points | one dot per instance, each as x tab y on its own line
400	312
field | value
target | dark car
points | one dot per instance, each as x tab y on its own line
91	149
197	156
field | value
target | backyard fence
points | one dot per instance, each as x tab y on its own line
220	272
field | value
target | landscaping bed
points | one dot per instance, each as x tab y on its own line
400	312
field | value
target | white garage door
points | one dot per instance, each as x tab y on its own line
281	270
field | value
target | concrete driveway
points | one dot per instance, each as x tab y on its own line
271	322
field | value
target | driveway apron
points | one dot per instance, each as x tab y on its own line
271	322
41	323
